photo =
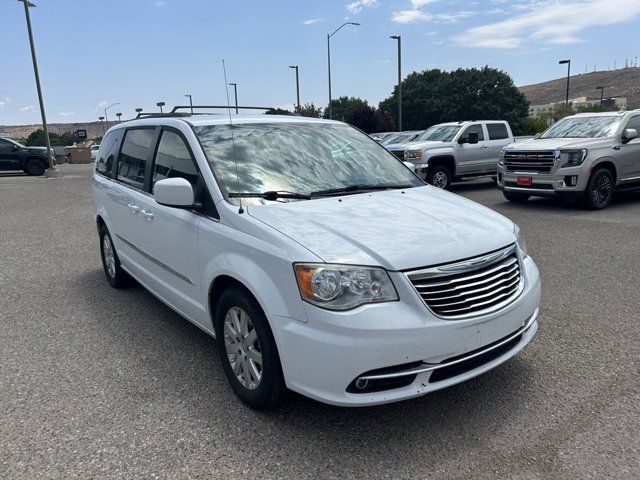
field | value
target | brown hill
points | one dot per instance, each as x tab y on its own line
94	129
624	82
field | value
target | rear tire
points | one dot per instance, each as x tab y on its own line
439	176
116	276
248	350
35	167
599	191
516	197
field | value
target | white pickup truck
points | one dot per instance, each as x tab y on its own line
450	151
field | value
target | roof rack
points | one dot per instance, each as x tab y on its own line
158	114
174	112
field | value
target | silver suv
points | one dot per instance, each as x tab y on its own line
585	156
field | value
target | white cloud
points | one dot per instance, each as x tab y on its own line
556	23
67	114
311	21
355	7
5	101
103	104
421	3
417	16
28	108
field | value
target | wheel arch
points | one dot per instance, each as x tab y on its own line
444	160
609	164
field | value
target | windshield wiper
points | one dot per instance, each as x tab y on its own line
359	188
271	195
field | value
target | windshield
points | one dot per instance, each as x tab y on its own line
398	138
298	157
15	143
583	127
442	133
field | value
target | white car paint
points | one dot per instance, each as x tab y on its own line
94	151
321	351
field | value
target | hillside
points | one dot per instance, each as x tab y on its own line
94	129
624	82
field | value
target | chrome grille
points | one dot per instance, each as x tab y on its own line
541	162
473	287
398	153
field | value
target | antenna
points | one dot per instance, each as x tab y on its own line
233	141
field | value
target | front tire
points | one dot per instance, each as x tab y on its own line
116	276
35	167
439	176
248	350
516	197
599	191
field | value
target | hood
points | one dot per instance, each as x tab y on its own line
421	227
558	143
37	149
430	145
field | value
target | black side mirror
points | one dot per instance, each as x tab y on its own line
473	138
14	149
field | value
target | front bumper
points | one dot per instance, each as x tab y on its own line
323	358
567	181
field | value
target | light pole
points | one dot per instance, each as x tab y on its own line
102	123
297	86
601	93
160	104
106	117
119	115
138	111
235	92
190	102
399	39
329	35
52	169
568	63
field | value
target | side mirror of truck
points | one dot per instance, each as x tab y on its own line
14	149
473	138
629	134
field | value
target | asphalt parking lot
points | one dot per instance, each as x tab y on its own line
101	383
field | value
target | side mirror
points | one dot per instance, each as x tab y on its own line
14	149
537	136
174	192
629	134
473	138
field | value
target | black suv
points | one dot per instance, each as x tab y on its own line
14	156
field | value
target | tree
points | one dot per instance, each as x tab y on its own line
278	111
342	105
534	125
310	110
434	96
36	139
368	119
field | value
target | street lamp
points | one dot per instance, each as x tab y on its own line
106	117
329	35
235	92
52	171
601	93
190	102
399	39
297	86
102	123
568	63
160	104
138	111
119	115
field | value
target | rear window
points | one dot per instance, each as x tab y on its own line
133	156
106	155
497	131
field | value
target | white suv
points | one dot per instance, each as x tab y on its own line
319	262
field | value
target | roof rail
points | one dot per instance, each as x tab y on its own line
158	114
217	107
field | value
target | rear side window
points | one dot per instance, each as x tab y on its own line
133	156
497	131
173	160
107	153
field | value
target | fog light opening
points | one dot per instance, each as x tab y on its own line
361	383
571	180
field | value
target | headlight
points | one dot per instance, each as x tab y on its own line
520	239
412	154
343	287
502	152
572	158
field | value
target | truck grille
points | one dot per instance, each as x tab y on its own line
486	284
398	153
541	162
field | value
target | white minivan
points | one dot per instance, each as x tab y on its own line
318	261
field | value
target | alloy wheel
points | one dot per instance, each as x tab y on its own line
602	190
109	257
243	348
440	179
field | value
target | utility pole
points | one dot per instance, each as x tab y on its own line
102	123
119	115
399	39
568	63
160	104
235	92
190	102
601	93
329	35
52	171
138	111
297	87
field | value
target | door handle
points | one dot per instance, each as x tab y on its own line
148	214
616	147
134	208
484	146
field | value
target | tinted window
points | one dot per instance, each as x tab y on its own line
174	160
106	156
497	131
477	128
4	145
634	123
133	156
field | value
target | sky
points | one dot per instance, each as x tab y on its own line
137	52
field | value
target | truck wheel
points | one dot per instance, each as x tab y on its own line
439	176
248	351
599	191
516	197
35	167
116	276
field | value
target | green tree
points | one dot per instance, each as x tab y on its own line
434	96
342	105
368	119
278	111
534	125
310	110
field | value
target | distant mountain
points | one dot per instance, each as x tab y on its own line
94	129
624	82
